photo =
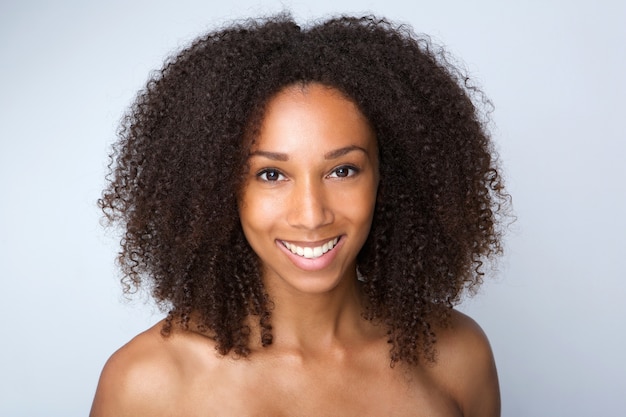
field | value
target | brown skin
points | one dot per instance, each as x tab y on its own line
313	176
177	376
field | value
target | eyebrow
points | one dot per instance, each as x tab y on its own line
275	156
337	153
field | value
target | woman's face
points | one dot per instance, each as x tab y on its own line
308	199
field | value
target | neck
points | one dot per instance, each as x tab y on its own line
310	322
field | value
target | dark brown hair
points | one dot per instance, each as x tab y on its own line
178	165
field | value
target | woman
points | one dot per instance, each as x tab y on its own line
308	204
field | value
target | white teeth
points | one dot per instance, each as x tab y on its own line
311	253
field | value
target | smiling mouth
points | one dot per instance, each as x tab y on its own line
311	252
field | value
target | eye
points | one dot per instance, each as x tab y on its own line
344	171
270	175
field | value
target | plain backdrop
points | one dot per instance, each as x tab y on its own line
555	71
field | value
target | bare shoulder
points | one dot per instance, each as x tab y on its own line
465	366
144	377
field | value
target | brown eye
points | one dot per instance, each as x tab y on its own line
344	171
270	175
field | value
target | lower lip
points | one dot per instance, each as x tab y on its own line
313	264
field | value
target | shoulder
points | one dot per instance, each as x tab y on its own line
465	366
144	377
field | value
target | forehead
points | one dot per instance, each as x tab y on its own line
312	113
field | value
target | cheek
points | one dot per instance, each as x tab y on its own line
251	226
359	205
246	213
257	213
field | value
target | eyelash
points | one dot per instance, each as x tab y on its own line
267	171
352	171
262	175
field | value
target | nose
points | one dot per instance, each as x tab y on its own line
309	206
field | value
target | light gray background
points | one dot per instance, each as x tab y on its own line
554	69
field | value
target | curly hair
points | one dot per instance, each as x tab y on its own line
177	169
